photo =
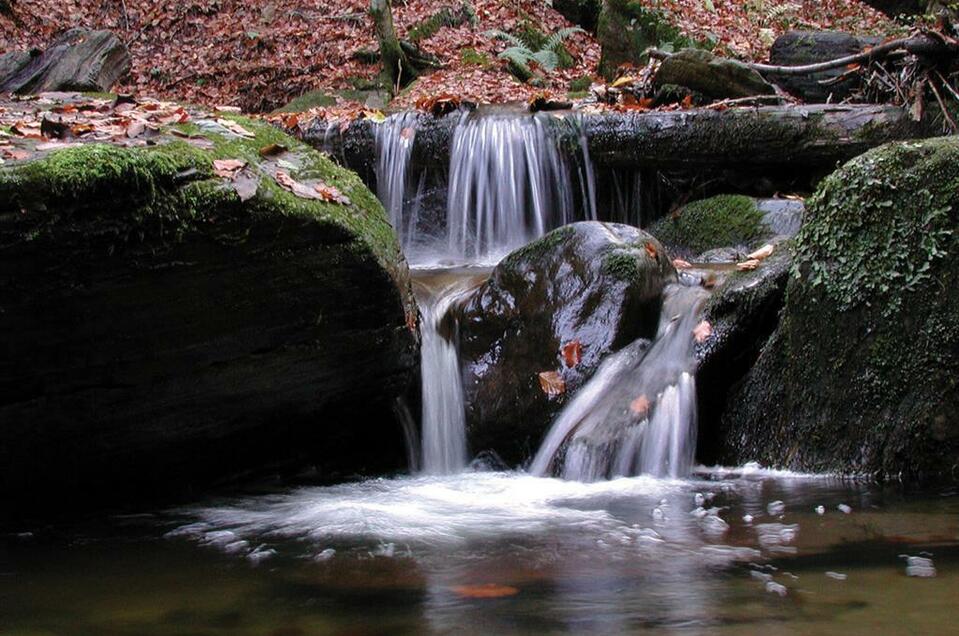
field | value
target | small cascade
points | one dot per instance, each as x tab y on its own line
444	413
394	144
637	415
510	181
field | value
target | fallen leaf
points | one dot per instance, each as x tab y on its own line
331	193
709	280
16	154
748	266
687	102
245	185
227	168
679	263
487	590
651	250
136	128
762	253
297	188
572	353
623	81
272	150
552	383
639	406
235	128
703	331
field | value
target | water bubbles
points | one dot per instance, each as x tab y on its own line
838	576
658	514
714	526
325	555
921	567
776	588
843	508
699	499
776	508
748	518
235	547
699	513
762	576
775	537
260	554
820	510
387	550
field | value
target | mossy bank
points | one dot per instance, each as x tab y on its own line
170	321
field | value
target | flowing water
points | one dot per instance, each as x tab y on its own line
744	552
512	178
637	415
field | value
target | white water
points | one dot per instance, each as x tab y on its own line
599	435
394	139
444	413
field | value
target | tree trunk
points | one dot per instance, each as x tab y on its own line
396	65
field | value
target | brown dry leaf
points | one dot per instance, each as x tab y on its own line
709	280
331	194
703	331
272	150
15	154
572	353
762	253
486	590
245	185
227	168
687	102
651	250
748	266
136	128
679	263
552	383
301	190
640	406
235	128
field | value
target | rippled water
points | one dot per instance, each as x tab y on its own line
743	552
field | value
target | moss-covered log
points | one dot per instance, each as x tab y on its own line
161	330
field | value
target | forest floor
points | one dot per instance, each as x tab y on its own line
258	54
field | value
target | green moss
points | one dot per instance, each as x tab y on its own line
445	17
542	245
621	265
474	57
580	84
306	101
721	221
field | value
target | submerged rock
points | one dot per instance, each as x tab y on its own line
861	374
558	306
78	60
167	325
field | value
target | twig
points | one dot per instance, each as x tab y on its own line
942	105
739	101
948	86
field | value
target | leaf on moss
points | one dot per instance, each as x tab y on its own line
552	383
331	194
235	128
227	168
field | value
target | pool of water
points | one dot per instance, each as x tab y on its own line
742	551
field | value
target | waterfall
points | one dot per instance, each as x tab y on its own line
444	413
637	415
511	181
394	139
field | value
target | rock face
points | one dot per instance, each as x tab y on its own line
595	284
798	48
78	60
714	77
165	327
861	374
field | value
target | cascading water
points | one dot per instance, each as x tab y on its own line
511	181
394	139
637	415
444	414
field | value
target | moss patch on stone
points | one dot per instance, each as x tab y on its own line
720	221
542	245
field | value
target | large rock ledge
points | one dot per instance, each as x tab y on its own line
160	330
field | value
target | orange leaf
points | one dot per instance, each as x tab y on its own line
640	406
748	265
651	250
762	253
297	188
486	590
703	331
572	353
679	263
272	150
331	193
227	168
233	127
687	102
552	383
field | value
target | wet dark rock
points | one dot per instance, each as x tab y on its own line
78	60
799	48
714	77
161	334
584	13
861	374
596	283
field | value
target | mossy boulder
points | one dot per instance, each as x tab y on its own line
167	327
595	284
862	374
721	221
711	76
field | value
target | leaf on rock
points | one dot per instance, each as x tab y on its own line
273	150
16	154
651	250
762	253
703	331
486	590
235	128
227	168
552	383
748	265
709	280
331	194
679	263
640	406
245	185
572	353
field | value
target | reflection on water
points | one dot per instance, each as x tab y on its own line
743	552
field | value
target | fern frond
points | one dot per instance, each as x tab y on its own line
547	59
557	38
509	37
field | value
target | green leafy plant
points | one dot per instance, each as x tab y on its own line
523	56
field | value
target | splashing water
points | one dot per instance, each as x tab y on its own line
444	413
637	415
394	144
